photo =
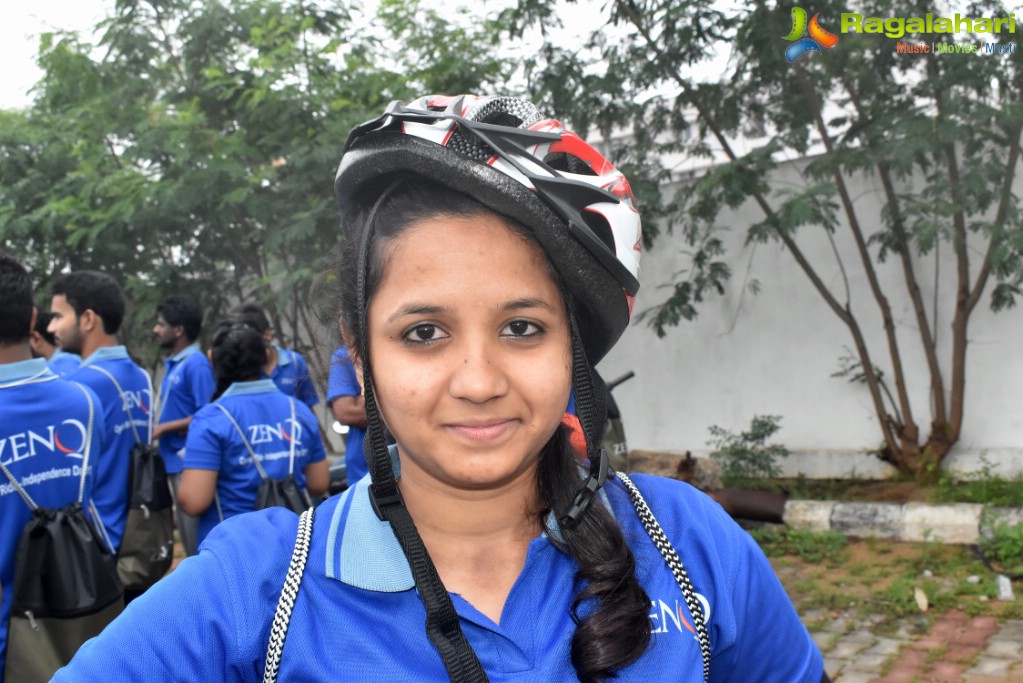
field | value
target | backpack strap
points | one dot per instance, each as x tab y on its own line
124	402
289	593
291	441
656	533
87	447
255	460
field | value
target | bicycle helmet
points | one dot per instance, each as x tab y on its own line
505	154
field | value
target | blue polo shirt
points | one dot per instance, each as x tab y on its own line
43	430
358	616
342	381
264	415
135	408
291	375
63	364
187	386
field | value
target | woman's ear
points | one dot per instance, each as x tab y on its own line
349	341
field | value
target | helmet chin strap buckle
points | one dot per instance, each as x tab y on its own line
584	497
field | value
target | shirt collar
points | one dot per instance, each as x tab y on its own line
24	369
362	550
184	353
258	386
57	353
106	353
283	355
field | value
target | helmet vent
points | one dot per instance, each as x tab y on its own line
568	163
505	111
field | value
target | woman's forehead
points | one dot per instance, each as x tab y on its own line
465	256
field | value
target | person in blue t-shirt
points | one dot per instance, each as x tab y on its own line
344	396
88	308
43	430
249	418
286	367
187	386
489	259
44	345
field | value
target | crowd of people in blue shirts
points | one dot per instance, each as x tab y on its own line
215	411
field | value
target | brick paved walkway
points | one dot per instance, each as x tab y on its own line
956	648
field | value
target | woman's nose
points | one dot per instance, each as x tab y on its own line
479	373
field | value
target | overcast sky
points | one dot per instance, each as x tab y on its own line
20	27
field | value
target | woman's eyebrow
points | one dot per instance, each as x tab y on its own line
417	309
527	302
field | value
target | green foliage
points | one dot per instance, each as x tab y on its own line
1005	546
813	547
746	456
983	488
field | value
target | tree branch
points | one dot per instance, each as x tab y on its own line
1000	217
909	274
910	432
843	313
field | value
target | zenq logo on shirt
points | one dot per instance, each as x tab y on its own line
667	617
68	437
134	399
267	433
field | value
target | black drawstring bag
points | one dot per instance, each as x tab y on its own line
66	588
285	493
62	567
147	544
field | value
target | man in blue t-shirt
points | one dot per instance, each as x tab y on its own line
44	345
87	308
286	367
344	396
42	433
187	386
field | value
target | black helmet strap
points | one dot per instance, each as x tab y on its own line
442	626
591	407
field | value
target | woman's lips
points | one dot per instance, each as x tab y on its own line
483	431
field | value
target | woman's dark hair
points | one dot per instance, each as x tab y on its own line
252	314
239	354
615	630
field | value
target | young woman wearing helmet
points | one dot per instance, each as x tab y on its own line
491	258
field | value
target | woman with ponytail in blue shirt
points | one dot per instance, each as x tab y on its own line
248	418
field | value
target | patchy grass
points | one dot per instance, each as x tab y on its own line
872	577
986	490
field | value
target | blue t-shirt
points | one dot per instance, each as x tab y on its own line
264	415
291	375
358	616
43	431
342	381
134	409
63	363
187	386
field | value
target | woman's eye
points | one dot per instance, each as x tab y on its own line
424	334
521	328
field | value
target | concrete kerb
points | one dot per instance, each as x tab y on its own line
960	523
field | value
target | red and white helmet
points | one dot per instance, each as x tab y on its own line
505	154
